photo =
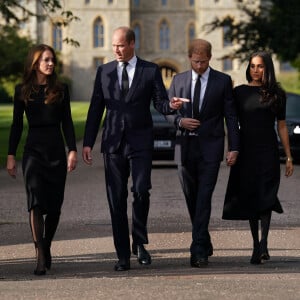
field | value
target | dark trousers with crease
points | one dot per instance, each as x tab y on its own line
118	167
198	179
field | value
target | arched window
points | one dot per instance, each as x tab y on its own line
164	36
226	38
167	73
137	31
227	64
98	33
191	32
57	38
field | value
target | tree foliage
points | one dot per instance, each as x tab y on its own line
15	12
13	52
272	25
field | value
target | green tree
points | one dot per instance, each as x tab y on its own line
13	52
15	12
273	25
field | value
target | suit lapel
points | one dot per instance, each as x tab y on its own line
188	105
114	81
207	90
136	77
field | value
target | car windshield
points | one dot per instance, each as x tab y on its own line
293	106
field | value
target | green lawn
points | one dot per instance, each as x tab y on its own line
79	111
290	81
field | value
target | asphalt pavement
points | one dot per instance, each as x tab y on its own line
84	256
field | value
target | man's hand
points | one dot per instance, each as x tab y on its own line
87	155
231	157
176	102
189	123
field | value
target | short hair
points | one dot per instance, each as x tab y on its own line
129	33
199	46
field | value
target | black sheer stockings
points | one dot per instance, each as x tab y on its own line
36	221
43	232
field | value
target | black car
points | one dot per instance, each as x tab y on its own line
164	137
293	125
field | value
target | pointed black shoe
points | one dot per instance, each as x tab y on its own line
255	258
263	249
40	259
143	256
48	257
122	265
198	261
39	272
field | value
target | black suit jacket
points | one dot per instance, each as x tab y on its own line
218	104
130	117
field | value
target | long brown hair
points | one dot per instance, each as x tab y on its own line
53	89
271	91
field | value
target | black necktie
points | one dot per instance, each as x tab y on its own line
196	98
125	80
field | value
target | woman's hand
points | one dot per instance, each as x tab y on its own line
11	166
72	161
289	167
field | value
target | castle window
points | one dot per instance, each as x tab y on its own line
98	61
137	31
191	32
227	64
226	38
98	33
164	36
57	38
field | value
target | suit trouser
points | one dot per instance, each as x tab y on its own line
118	167
198	179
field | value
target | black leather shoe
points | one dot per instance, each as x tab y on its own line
122	265
143	256
210	250
198	261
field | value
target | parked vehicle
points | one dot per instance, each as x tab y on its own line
293	125
164	137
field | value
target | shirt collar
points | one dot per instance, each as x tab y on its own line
131	62
203	76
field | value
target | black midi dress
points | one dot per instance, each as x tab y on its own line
44	162
254	180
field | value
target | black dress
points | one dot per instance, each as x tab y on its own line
254	181
44	161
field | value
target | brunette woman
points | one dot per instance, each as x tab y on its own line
254	180
46	104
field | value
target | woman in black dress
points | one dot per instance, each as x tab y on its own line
46	104
254	180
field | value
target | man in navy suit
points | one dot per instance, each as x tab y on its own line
124	88
200	139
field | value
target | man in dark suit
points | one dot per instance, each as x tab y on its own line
200	139
125	88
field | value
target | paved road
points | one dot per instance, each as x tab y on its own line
84	255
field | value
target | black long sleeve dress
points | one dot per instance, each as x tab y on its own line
254	180
44	162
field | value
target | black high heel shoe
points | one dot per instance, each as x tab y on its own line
47	252
40	267
263	249
255	258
